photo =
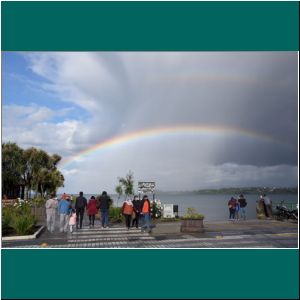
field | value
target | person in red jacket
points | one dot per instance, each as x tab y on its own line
232	206
92	210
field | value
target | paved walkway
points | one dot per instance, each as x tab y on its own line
277	235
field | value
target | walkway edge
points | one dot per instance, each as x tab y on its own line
24	237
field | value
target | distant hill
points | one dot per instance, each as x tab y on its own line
239	190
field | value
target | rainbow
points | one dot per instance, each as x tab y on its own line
167	131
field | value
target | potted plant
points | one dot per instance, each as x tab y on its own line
192	221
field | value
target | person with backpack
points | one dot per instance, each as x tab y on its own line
243	203
92	210
64	207
104	203
127	211
80	205
145	214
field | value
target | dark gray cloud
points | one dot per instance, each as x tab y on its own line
130	91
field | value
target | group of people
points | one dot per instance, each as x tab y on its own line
135	211
71	215
237	206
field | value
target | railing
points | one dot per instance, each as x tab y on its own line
288	205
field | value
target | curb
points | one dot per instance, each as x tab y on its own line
24	237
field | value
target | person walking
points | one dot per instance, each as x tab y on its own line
92	210
137	207
145	214
80	205
104	203
64	211
127	211
231	206
243	203
72	219
51	206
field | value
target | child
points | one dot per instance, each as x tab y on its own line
72	220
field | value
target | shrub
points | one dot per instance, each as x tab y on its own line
23	223
155	209
38	202
6	218
115	214
191	213
22	219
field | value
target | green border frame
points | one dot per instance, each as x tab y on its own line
150	26
172	274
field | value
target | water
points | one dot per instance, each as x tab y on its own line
213	207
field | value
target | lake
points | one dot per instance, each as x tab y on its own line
213	207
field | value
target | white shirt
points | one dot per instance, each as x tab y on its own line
267	200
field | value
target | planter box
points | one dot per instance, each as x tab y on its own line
192	225
24	237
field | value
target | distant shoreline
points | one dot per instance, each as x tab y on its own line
234	191
227	191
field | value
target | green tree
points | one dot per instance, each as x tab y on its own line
12	165
119	191
46	177
127	183
35	168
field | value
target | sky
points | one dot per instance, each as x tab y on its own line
217	119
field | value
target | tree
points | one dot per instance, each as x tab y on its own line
127	184
12	165
34	168
46	177
119	191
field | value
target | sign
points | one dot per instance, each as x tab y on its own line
146	186
168	211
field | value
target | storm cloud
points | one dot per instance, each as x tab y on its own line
108	94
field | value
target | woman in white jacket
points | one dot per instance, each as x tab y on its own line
51	207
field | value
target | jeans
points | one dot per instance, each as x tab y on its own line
243	213
231	213
104	217
127	220
79	216
145	222
136	220
63	222
92	219
51	221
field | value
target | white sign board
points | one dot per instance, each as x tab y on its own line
146	186
168	211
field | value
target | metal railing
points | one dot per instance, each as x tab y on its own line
288	205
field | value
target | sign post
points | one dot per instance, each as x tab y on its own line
146	187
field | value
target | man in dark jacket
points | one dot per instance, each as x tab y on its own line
243	204
104	203
80	205
137	205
